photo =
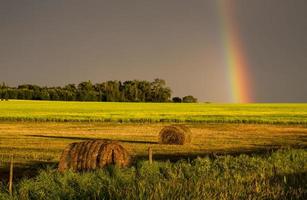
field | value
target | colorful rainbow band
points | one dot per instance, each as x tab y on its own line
237	68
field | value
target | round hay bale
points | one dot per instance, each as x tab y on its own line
175	134
93	154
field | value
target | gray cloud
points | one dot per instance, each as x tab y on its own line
55	42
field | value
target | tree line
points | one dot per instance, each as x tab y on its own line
109	91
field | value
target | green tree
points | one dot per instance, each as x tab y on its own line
159	91
44	94
145	91
71	92
12	93
189	99
130	90
100	88
177	100
112	89
116	91
53	94
86	92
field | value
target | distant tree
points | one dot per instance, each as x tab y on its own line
70	87
53	94
189	99
177	100
144	91
44	94
1	93
115	91
85	85
29	94
70	92
36	92
130	91
86	92
20	94
100	89
3	86
12	93
166	94
6	95
70	95
159	91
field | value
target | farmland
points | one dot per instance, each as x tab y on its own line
43	142
36	132
55	111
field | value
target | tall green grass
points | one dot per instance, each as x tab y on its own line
51	111
280	175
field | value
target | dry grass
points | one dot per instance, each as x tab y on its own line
44	142
35	145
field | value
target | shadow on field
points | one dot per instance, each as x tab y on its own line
89	138
262	151
28	170
294	183
303	138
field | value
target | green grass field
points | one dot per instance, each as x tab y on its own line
280	175
36	132
152	112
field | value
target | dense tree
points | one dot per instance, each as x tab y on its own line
12	93
177	100
114	91
86	92
53	94
189	99
130	91
70	92
100	88
159	91
25	94
44	94
4	94
144	91
3	86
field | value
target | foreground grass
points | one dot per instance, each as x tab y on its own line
281	175
152	112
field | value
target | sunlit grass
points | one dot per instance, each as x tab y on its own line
44	142
152	112
280	175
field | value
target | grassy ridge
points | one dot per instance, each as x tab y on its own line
281	175
51	111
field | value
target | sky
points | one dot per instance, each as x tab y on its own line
57	42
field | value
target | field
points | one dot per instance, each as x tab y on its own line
152	112
255	145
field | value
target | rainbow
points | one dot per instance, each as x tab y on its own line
237	67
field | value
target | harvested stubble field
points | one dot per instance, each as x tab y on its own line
37	132
33	144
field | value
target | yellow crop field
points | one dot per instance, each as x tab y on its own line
57	111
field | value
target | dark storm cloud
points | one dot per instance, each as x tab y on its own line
55	42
